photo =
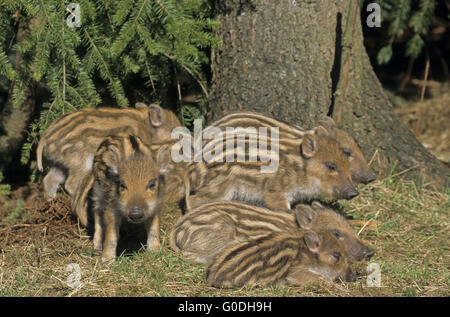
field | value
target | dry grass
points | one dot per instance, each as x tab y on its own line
428	120
406	223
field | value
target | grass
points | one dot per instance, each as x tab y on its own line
411	238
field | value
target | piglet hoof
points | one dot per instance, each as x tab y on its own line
107	260
108	256
49	196
98	247
153	245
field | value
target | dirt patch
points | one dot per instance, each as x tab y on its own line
51	220
30	195
26	217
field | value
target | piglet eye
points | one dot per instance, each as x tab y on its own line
336	256
347	152
151	184
331	166
122	186
336	233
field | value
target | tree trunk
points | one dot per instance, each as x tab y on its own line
301	60
14	120
13	126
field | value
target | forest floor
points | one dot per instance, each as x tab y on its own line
406	222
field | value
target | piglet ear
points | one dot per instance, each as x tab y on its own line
316	205
111	160
163	159
109	155
328	124
328	121
140	105
305	216
319	130
309	146
312	241
157	115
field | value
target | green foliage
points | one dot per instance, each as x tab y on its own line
188	114
119	45
384	55
5	189
15	212
411	17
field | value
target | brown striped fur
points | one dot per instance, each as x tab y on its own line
279	258
128	184
309	168
359	169
69	144
178	177
209	228
320	218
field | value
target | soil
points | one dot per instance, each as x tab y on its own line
38	217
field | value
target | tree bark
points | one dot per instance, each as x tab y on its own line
298	61
14	120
